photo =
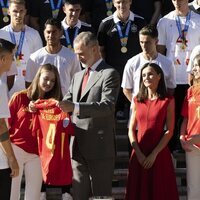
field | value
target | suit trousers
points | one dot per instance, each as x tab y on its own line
92	177
193	175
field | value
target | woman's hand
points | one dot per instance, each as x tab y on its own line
184	143
149	161
32	107
141	158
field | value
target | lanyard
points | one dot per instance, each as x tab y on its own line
123	38
182	33
69	43
55	9
109	5
21	41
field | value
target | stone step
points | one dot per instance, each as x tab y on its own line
122	142
119	192
179	156
122	159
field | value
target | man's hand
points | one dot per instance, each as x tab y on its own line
66	106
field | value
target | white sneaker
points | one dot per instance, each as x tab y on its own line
66	196
43	196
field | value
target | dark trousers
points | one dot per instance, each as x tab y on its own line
64	188
92	177
179	95
5	184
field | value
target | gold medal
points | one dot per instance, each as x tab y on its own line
70	47
18	61
124	49
6	19
109	12
183	46
55	13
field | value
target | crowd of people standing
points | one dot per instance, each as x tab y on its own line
71	68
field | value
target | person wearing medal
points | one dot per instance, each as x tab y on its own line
178	35
71	24
119	41
41	10
4	16
26	38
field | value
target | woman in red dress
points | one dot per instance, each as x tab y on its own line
151	173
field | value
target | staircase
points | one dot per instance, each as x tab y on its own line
121	169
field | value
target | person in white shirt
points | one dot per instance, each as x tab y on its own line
8	164
26	38
148	37
54	53
178	35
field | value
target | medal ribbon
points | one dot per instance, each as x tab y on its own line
56	9
123	38
69	43
109	6
182	33
21	41
4	7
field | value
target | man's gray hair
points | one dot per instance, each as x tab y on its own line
86	38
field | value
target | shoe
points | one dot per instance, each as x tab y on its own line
66	196
43	196
120	116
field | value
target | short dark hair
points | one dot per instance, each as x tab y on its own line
149	30
72	2
53	22
6	46
161	89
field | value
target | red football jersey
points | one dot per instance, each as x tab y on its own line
191	110
21	123
55	127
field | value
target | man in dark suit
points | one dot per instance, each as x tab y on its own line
93	110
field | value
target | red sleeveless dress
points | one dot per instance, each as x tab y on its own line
158	182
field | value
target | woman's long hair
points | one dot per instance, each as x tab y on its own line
194	81
34	91
161	89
